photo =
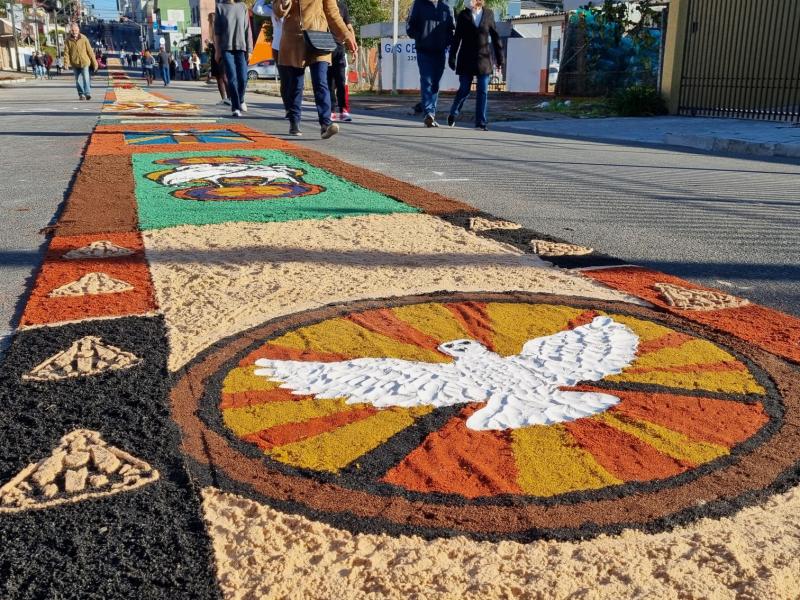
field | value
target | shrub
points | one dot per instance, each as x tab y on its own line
638	101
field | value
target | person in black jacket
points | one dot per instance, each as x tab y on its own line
471	57
430	24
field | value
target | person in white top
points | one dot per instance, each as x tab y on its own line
263	9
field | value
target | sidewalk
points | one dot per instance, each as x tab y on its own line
757	138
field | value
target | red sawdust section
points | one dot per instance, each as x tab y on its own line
385	322
294	432
584	318
621	454
459	460
58	271
255	397
109	140
674	339
283	353
429	202
474	318
771	330
102	199
721	422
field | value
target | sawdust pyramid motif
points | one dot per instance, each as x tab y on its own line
548	248
484	224
98	249
87	356
92	284
688	299
82	466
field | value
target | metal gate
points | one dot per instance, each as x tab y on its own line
742	59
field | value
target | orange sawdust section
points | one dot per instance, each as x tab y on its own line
584	318
771	330
461	461
110	139
289	433
623	455
385	322
722	422
475	319
57	271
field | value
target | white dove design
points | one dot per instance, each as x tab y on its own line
519	391
214	172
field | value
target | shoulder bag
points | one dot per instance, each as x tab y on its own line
317	42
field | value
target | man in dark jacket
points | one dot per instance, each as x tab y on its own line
430	24
471	57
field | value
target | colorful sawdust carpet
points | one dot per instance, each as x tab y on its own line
256	371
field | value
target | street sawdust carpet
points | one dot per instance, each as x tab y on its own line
293	355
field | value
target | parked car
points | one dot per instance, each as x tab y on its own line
266	69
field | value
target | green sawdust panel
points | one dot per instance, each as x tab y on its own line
171	204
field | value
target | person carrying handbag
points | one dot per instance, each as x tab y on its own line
305	42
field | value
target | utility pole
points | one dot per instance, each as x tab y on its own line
14	34
395	28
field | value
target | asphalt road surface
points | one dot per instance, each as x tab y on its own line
728	222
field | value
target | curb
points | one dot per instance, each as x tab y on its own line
733	145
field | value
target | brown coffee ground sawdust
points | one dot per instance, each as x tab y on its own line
216	280
263	553
102	199
430	202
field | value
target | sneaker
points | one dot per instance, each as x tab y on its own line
294	129
222	103
482	127
81	97
88	97
334	117
226	102
236	114
451	120
329	131
429	121
345	116
244	107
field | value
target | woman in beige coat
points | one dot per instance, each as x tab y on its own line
294	56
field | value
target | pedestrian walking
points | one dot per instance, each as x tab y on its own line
216	69
48	63
163	64
471	58
234	43
179	72
59	65
195	66
79	57
304	44
148	66
430	25
337	73
262	9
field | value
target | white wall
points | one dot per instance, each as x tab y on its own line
407	71
526	58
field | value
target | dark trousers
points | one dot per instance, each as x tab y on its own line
236	70
337	79
294	92
283	79
165	74
431	69
481	99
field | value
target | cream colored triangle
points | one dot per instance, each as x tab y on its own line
484	224
87	356
98	249
82	466
688	299
548	248
92	284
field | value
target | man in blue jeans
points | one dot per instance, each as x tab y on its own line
163	64
234	43
79	56
430	24
471	57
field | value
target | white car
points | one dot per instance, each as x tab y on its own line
266	69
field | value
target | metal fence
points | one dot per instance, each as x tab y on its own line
742	60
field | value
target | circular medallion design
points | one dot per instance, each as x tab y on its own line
232	178
497	415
